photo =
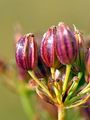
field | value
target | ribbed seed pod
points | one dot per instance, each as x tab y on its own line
26	52
66	45
48	47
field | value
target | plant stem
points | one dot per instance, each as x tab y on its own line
61	112
73	87
58	94
68	69
87	87
83	101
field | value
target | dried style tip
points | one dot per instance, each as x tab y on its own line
66	45
48	46
26	52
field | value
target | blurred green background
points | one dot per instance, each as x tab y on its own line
34	16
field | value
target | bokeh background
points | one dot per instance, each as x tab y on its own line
34	16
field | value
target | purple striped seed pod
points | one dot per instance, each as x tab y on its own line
48	47
26	52
88	61
66	45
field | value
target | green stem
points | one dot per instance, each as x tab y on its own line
87	87
76	98
61	112
83	101
68	69
73	87
32	74
85	91
72	100
26	103
58	94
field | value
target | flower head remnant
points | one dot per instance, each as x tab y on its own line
60	47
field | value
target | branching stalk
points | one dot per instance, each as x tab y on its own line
68	69
32	74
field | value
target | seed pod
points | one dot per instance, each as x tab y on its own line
26	52
48	47
88	61
66	45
